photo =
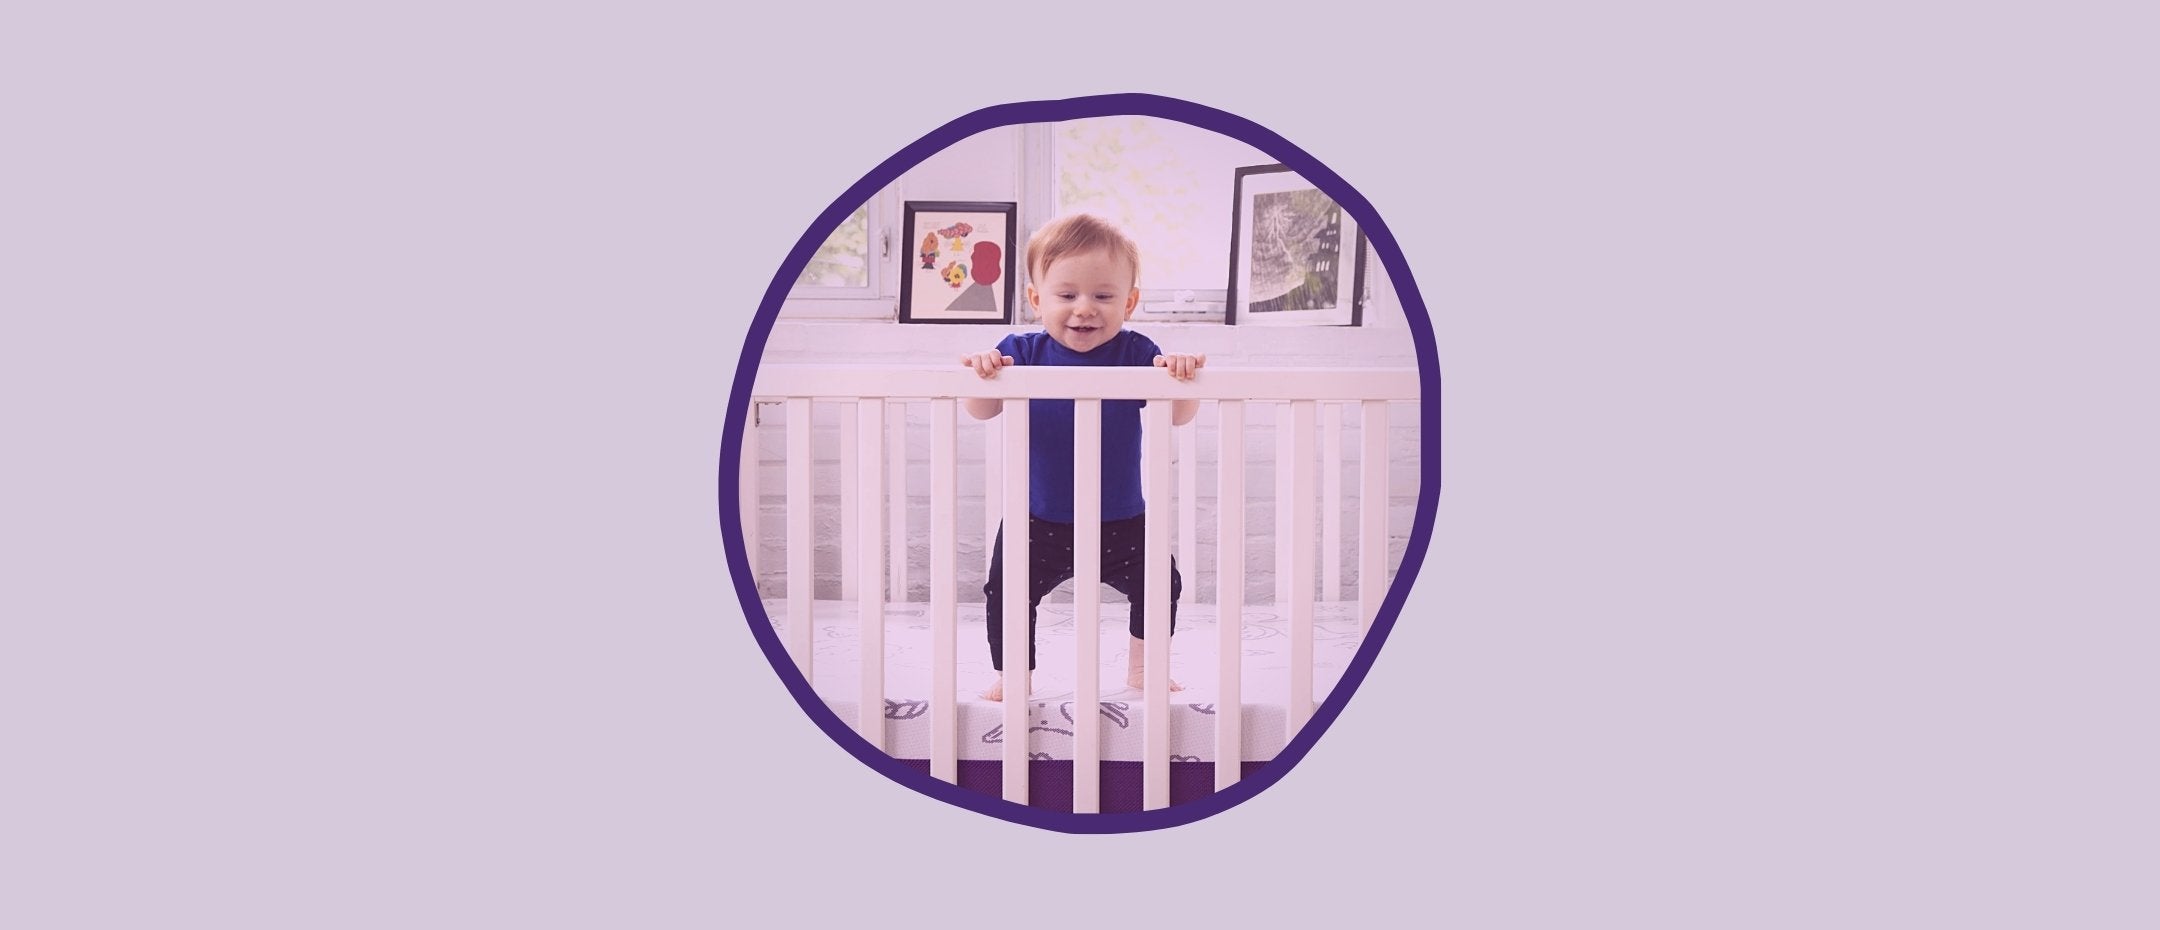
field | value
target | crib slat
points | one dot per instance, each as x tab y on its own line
849	468
944	620
896	501
1301	567
1155	767
1285	453
1017	682
870	716
1087	606
1372	511
993	493
1331	496
801	581
1188	490
1230	593
747	491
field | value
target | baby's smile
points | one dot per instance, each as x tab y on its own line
1083	337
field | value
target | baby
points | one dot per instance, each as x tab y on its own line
1082	274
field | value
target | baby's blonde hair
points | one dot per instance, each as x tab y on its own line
1078	234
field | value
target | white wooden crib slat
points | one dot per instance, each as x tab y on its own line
1230	593
801	581
1331	552
1372	511
1285	453
1301	567
896	501
1155	765
1017	683
944	607
993	493
747	491
849	468
1188	498
1087	606
870	718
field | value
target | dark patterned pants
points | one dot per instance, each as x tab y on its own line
1050	563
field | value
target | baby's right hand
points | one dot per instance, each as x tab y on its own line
986	364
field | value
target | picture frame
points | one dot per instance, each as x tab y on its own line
1287	260
958	260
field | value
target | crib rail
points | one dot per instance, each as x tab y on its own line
874	517
835	382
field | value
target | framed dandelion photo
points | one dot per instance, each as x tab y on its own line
958	261
1297	258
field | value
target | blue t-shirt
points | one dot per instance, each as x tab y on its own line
1050	428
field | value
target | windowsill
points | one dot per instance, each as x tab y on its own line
812	308
1210	312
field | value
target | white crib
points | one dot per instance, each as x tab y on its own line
1309	407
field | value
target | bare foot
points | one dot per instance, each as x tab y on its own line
1136	670
996	691
1138	681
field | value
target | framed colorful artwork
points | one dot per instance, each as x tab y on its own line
958	265
1288	264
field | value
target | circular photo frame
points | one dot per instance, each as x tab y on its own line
847	498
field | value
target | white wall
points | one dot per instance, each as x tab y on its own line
984	166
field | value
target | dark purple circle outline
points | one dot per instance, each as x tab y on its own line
1049	111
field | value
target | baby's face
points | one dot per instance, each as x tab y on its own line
1084	299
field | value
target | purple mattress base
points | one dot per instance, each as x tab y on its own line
1050	781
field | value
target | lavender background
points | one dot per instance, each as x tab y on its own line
362	378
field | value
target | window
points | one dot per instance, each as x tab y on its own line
1168	184
847	277
844	260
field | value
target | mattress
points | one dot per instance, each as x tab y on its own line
1264	678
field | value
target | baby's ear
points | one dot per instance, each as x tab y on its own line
1132	302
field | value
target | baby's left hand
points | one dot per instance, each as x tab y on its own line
1182	367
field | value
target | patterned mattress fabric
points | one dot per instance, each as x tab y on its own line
1264	678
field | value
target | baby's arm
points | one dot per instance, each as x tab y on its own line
985	364
1183	368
